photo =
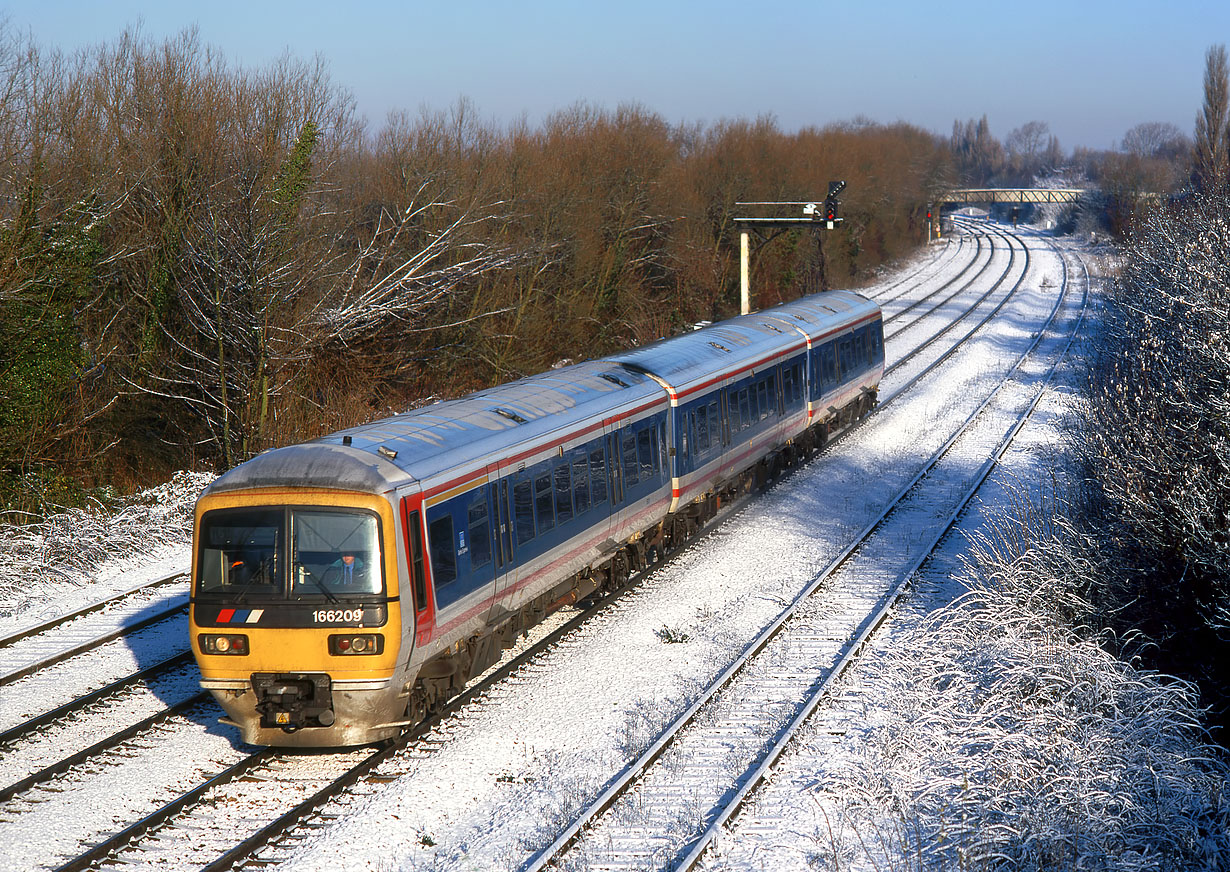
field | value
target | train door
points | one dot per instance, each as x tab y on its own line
417	603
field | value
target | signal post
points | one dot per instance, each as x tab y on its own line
768	228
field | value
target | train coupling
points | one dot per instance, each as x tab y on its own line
293	700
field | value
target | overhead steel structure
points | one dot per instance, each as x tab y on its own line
1013	195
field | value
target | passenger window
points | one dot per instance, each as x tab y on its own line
700	418
629	452
762	398
563	493
746	414
523	507
644	446
580	480
441	547
480	535
597	473
543	503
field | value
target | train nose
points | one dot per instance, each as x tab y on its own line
293	701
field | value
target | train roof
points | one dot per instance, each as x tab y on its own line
818	314
689	361
454	434
464	433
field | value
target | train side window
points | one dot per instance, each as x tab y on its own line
563	493
762	398
480	534
523	509
828	365
644	450
877	342
580	480
631	472
700	424
746	413
732	411
544	506
443	555
416	562
597	473
787	387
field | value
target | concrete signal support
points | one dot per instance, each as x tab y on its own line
814	216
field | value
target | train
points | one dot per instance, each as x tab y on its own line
344	588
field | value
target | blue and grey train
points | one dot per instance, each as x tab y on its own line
345	587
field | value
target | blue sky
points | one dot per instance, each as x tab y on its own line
1091	69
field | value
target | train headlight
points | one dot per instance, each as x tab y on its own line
229	643
356	643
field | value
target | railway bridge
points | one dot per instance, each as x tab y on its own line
1012	195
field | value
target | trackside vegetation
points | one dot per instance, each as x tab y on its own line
199	262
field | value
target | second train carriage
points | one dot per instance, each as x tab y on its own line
471	519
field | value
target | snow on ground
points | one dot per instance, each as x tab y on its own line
515	765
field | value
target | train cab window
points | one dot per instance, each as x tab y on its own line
480	534
240	551
544	502
580	480
563	493
333	553
523	509
440	546
597	473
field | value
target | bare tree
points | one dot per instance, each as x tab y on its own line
1211	161
1155	139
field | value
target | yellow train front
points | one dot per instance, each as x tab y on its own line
296	615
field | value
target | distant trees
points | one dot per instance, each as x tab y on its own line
1211	158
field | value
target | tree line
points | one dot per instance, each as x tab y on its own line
200	261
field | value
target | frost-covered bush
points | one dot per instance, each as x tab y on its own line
71	546
1155	440
1013	742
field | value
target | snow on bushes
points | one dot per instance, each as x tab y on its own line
70	546
1012	742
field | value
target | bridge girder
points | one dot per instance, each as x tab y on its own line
1013	195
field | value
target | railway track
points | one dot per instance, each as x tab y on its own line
225	788
38	647
713	756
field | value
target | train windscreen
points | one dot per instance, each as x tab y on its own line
329	553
